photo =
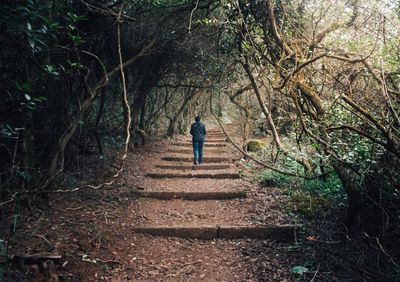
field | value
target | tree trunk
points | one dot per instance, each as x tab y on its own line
29	148
271	123
136	107
98	118
143	114
57	161
353	195
171	128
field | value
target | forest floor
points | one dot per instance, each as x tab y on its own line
91	235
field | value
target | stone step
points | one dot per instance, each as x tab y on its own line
219	174
190	151
193	196
189	158
216	136
214	130
208	140
193	167
213	134
181	212
280	233
192	184
206	144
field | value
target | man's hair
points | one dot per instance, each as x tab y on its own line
197	118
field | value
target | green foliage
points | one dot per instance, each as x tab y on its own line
330	188
353	148
74	18
7	131
32	103
149	4
51	70
307	196
28	102
306	204
271	178
29	21
31	64
299	270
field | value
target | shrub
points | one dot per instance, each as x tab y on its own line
255	145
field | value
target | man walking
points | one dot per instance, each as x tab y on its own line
198	132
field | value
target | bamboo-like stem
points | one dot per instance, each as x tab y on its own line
127	108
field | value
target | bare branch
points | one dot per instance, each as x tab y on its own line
10	200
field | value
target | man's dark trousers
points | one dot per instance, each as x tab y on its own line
198	151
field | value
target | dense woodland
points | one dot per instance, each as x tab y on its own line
321	78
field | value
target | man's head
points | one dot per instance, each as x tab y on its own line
197	119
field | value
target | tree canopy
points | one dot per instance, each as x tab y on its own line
322	78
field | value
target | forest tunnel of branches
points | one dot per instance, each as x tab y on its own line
101	78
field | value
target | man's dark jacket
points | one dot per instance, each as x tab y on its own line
198	131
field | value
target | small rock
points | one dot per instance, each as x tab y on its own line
54	277
34	268
48	265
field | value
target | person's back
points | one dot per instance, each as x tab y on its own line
198	132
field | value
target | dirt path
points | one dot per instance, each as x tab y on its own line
166	220
229	214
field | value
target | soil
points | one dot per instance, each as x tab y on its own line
93	230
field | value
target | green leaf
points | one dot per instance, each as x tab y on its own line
51	70
75	38
31	43
43	29
300	270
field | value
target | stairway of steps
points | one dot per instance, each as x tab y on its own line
187	206
178	161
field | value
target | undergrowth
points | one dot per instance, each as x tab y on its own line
325	248
307	197
3	258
